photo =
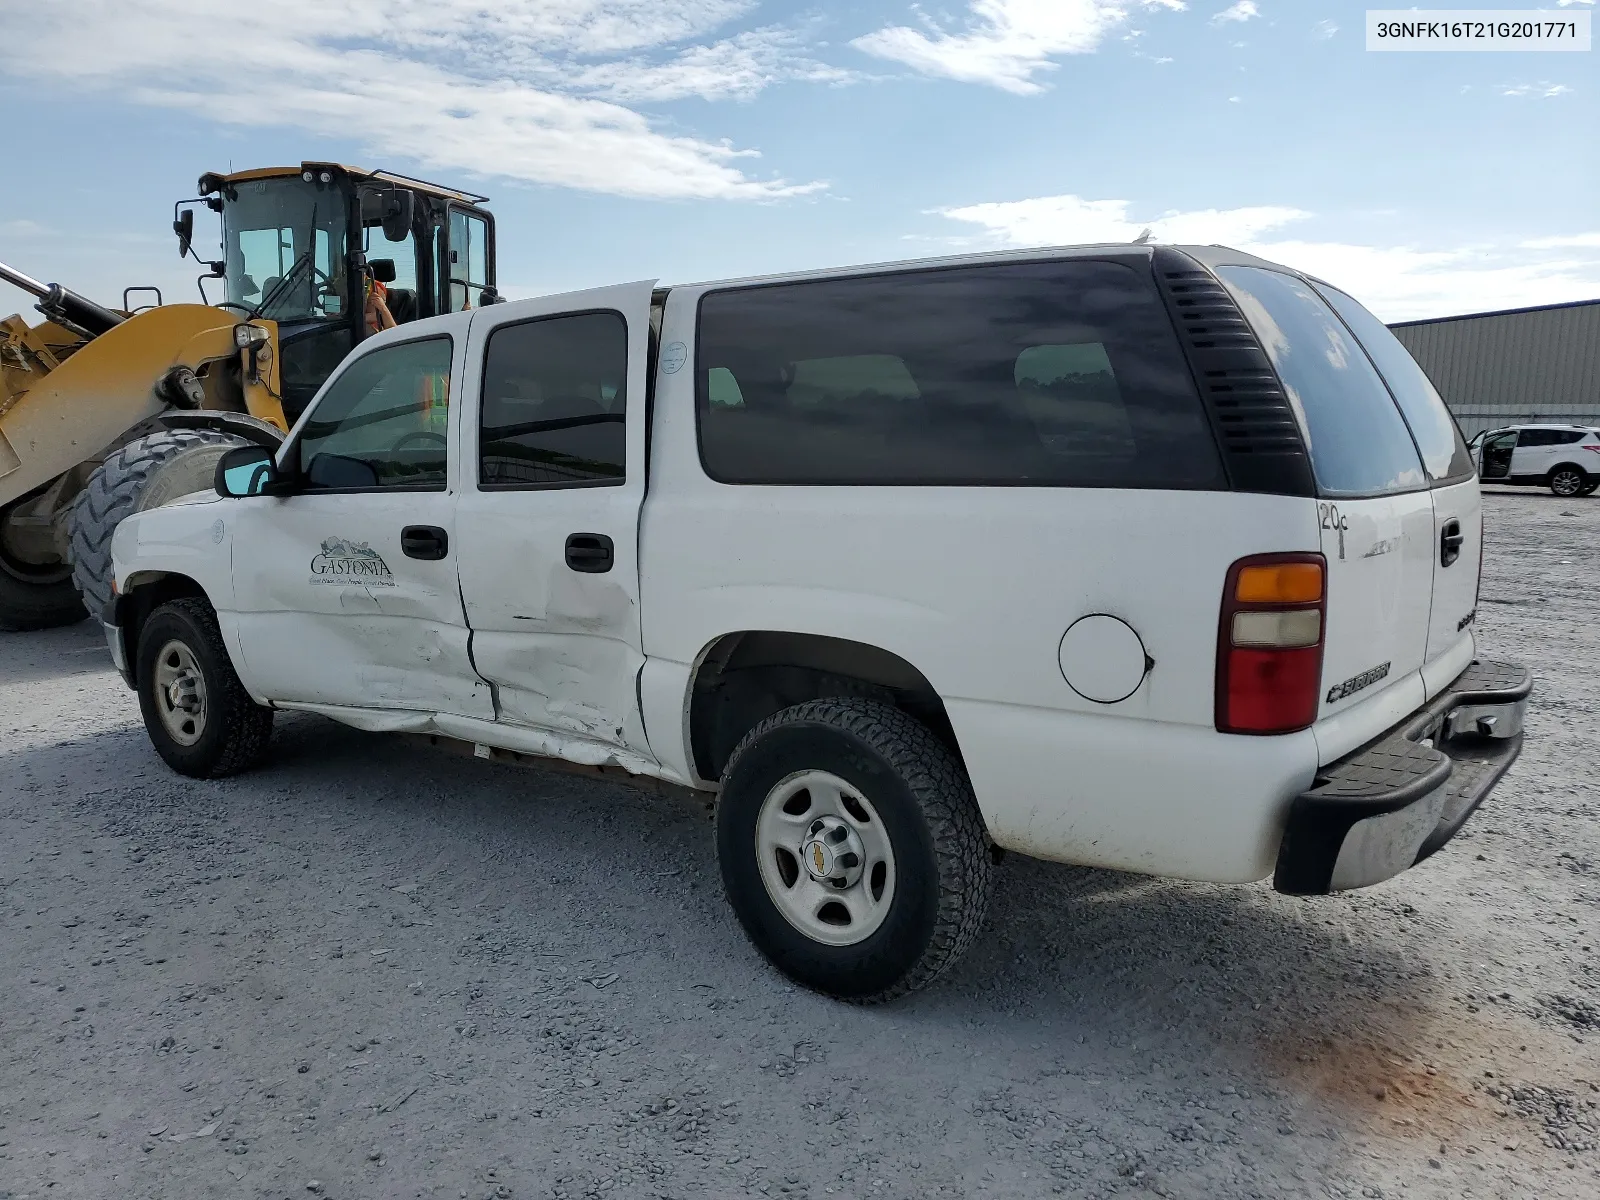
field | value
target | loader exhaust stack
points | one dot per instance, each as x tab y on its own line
64	306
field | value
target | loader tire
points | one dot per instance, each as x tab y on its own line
34	595
146	473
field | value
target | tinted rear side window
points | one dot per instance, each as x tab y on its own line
1359	444
555	402
1444	454
1049	374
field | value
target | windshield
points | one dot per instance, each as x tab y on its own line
284	241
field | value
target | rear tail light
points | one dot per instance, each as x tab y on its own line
1593	446
1269	643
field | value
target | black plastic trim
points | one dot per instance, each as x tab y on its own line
1398	770
1254	423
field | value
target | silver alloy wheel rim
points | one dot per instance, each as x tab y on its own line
180	689
1566	483
810	827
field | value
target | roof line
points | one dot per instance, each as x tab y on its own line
1497	312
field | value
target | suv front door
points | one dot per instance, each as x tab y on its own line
346	589
1494	456
554	474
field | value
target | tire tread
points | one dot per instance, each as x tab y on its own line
247	727
943	791
112	494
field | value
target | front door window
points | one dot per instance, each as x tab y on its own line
383	424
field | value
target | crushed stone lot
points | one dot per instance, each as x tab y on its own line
376	969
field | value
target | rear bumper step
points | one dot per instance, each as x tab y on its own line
1388	806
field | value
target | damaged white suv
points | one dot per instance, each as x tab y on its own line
1156	559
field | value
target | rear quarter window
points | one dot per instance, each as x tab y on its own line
1359	444
1062	373
1438	438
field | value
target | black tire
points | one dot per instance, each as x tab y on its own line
943	865
1589	488
146	473
1567	481
34	595
233	730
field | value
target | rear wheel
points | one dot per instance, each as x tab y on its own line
146	473
36	590
1589	488
1568	481
852	849
197	713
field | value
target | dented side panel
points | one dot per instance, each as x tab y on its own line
561	646
331	611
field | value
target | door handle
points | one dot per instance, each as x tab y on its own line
427	542
1450	541
591	553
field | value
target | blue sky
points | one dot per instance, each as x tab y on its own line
699	139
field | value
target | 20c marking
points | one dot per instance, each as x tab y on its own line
1333	519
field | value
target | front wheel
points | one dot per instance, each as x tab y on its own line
852	849
197	713
1568	481
146	473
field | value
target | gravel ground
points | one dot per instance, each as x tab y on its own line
376	969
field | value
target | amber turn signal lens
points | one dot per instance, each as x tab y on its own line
1280	583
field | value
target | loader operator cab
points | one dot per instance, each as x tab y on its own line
306	246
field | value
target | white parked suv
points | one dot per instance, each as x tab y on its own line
1563	458
1155	559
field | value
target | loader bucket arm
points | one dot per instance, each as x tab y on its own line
86	403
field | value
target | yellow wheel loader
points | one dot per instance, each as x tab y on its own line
105	412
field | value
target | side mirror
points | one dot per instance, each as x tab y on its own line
382	269
246	471
184	228
399	206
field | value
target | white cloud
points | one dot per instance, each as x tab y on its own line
1325	29
1578	241
517	89
1397	282
1244	10
735	68
1061	220
1570	3
1542	90
1006	42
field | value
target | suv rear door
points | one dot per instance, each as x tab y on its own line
553	474
1457	544
1375	513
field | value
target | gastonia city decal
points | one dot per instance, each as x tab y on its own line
344	562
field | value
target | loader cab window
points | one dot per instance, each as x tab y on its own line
402	295
466	261
284	248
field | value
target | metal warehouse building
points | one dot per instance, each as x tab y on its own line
1517	366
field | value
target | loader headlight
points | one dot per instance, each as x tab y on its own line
247	335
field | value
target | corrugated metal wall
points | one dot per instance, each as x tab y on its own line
1513	368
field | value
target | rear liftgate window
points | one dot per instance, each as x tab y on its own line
1360	445
1048	374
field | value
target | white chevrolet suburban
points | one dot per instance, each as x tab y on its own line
1151	558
